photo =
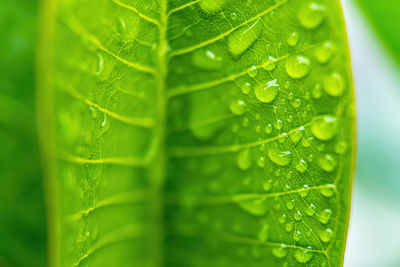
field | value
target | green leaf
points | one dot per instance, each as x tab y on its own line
197	133
22	219
384	17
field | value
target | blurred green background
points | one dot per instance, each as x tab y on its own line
374	233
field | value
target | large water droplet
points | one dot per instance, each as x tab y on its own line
256	207
280	252
327	163
324	128
326	235
243	159
241	40
212	6
327	191
297	66
325	52
279	157
268	92
303	256
311	14
292	39
325	216
334	84
237	107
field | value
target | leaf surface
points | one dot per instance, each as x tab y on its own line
197	133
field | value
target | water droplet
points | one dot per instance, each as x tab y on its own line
296	136
268	92
268	129
341	147
303	256
305	191
325	52
241	40
302	166
282	219
297	216
256	207
290	205
207	59
311	14
237	107
290	118
263	235
311	210
327	163
297	235
292	39
261	162
212	6
281	158
324	128
280	252
243	160
246	88
100	64
325	216
271	64
327	191
267	185
297	66
326	235
334	84
316	91
253	71
278	125
289	227
306	142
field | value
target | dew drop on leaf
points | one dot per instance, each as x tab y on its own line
292	39
325	52
241	39
326	235
256	207
325	216
237	107
246	88
302	166
289	227
297	66
324	128
327	191
267	93
303	256
280	252
297	235
279	157
327	163
271	64
341	147
311	14
334	84
212	6
243	159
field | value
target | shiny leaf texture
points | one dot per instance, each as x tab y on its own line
197	133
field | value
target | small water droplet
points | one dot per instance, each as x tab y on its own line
325	52
271	64
267	185
282	219
334	84
246	88
297	216
311	14
263	235
241	39
302	166
290	205
327	163
253	71
316	91
305	191
297	235
311	210
324	128
237	107
100	64
261	162
280	252
297	66
279	157
278	125
341	147
243	159
289	227
325	216
292	39
268	92
327	191
303	256
256	207
268	129
326	235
